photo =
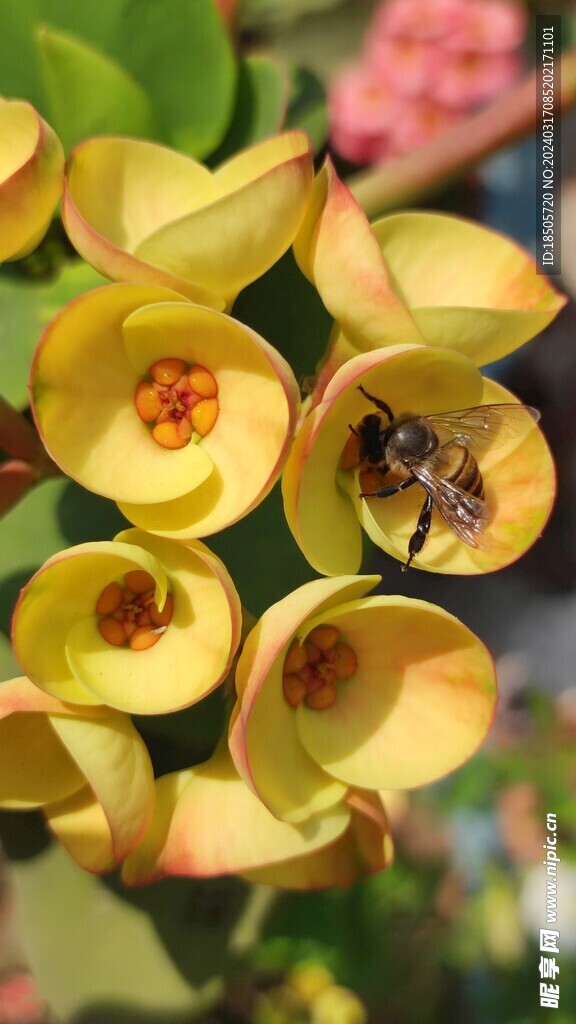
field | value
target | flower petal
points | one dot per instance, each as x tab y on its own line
31	175
208	822
318	498
100	829
259	402
466	286
263	739
338	253
519	484
233	240
83	392
191	658
153	185
420	703
35	769
365	847
59	598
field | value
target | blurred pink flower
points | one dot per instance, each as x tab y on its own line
425	64
489	26
361	108
407	64
469	78
420	122
19	1000
422	19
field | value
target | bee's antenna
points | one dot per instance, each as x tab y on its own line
378	403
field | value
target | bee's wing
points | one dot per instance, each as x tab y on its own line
467	515
481	425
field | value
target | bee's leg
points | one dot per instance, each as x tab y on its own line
378	403
387	492
353	431
416	542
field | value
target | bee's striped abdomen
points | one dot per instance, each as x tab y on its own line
462	470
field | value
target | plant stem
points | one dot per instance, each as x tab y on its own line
513	116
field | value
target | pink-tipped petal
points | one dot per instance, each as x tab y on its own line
208	822
263	740
419	704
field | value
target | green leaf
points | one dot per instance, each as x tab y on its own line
262	556
300	328
178	51
261	100
117	106
29	534
307	109
20	72
26	309
149	954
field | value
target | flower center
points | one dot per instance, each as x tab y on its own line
179	399
313	668
129	615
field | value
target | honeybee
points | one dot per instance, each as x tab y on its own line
437	452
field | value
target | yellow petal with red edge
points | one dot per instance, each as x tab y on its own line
35	769
419	705
467	287
365	847
229	242
83	389
259	401
59	598
263	739
31	176
119	191
320	501
208	822
193	655
519	486
336	250
100	828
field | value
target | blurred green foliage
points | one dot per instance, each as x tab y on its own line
164	71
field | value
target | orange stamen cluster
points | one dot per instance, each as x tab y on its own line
313	668
179	400
129	614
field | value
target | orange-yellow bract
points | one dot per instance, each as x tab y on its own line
181	625
419	278
87	768
90	365
141	212
417	705
322	502
208	822
31	178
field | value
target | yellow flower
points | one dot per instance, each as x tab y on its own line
338	690
31	178
417	278
322	486
87	768
178	412
208	822
140	212
140	623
